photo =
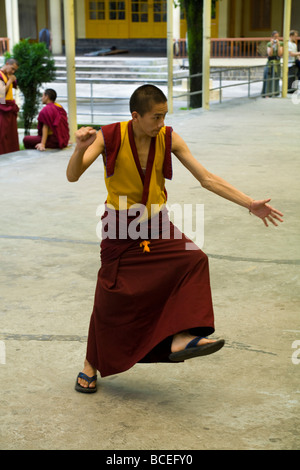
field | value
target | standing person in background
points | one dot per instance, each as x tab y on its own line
271	86
294	56
9	140
45	36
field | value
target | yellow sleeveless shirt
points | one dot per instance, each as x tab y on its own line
9	95
124	176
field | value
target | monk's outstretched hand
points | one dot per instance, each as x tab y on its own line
266	212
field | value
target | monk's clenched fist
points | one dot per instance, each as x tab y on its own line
85	136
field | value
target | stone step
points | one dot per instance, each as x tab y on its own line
104	67
114	61
121	80
129	70
126	75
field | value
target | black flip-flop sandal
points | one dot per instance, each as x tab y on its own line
192	350
88	379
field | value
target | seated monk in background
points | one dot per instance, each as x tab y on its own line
53	128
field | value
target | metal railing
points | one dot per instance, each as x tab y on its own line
239	47
270	83
248	88
90	102
231	48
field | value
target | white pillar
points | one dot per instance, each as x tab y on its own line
170	54
70	57
56	26
206	52
286	34
13	32
12	22
176	20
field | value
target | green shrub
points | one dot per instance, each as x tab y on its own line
36	66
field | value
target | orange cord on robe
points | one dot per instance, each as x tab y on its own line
145	244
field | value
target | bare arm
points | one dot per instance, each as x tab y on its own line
275	49
42	145
206	179
221	187
89	145
294	54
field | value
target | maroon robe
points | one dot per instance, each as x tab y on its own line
55	117
144	297
9	139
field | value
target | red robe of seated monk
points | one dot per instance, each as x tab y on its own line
55	117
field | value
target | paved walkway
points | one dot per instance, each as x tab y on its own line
245	396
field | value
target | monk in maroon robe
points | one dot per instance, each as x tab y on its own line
53	128
9	140
153	298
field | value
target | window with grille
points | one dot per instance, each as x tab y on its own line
117	11
160	11
139	11
97	10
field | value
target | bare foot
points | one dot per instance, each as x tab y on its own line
181	340
90	371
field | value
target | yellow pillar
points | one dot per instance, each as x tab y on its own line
286	34
206	52
170	54
70	57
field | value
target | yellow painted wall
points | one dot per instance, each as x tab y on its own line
3	31
80	19
223	18
127	22
276	20
42	14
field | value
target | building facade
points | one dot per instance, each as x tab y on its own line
140	24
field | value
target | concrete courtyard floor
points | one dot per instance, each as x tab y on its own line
244	397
